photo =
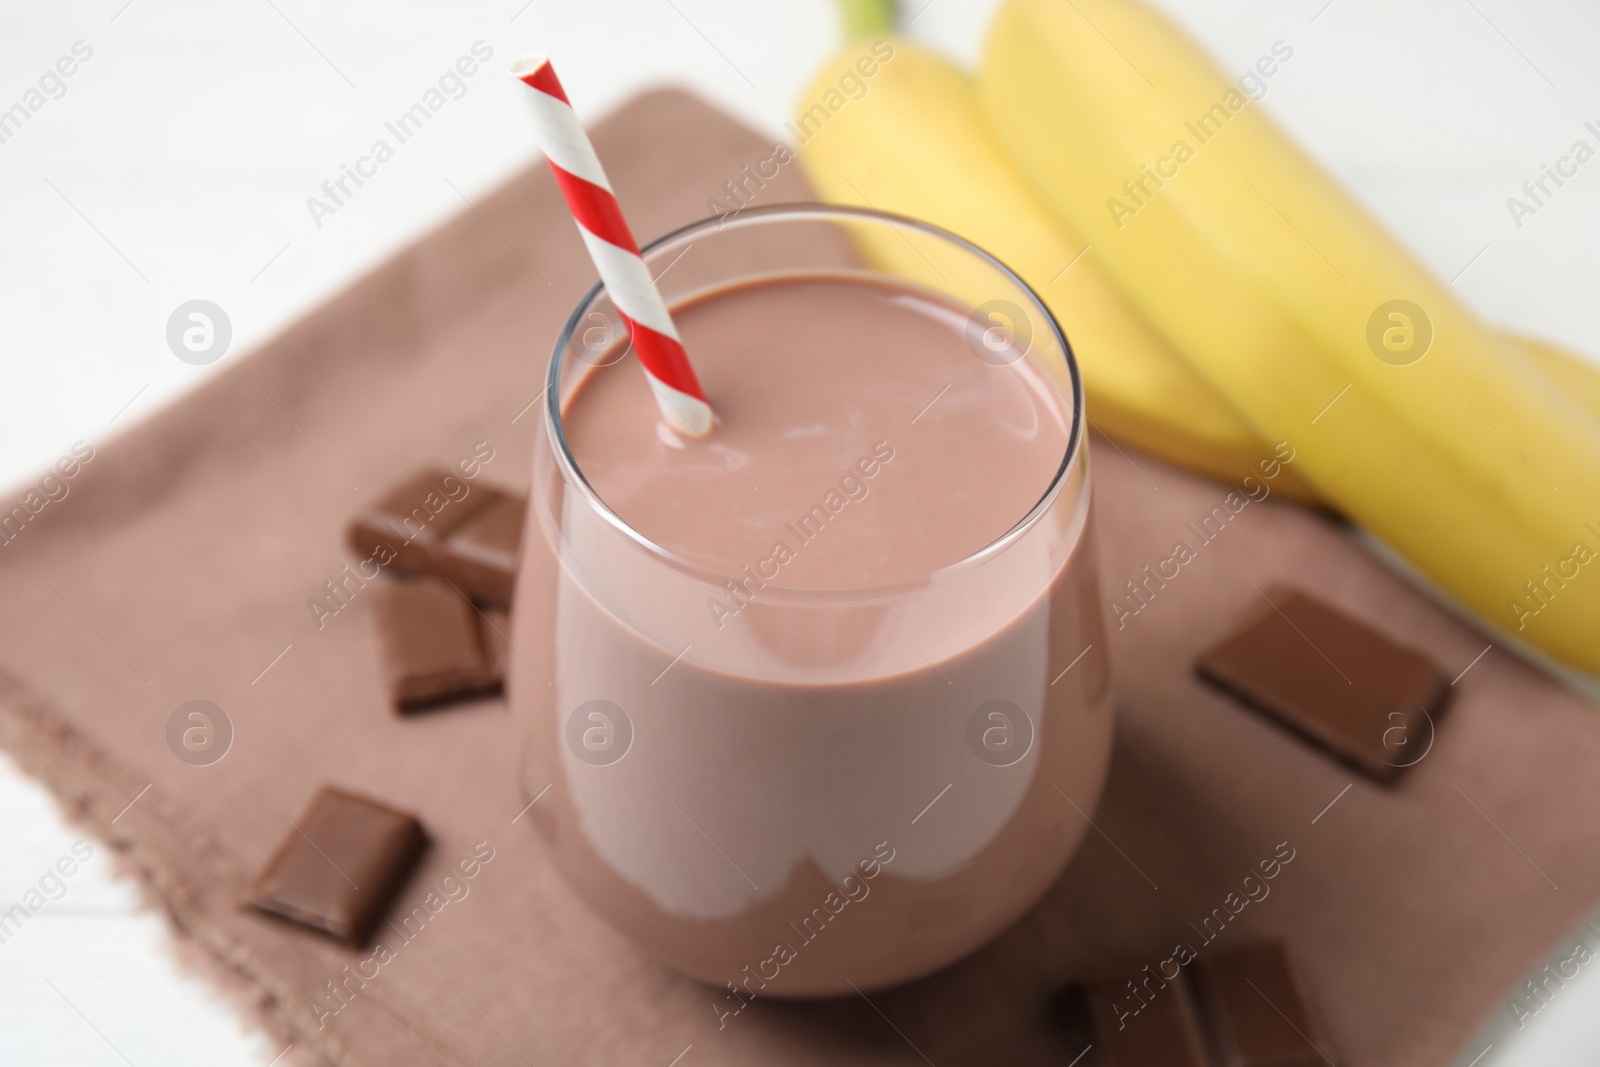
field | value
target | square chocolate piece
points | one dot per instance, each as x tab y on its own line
1256	1008
480	557
1139	1021
433	645
340	866
1372	702
412	520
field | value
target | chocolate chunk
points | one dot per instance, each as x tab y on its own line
1334	679
1256	1009
480	557
340	866
406	528
1137	1022
438	523
433	649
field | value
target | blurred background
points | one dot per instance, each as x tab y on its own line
176	161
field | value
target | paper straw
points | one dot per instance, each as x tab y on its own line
613	249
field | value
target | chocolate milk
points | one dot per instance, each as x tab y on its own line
814	706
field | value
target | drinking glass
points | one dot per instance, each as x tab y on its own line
836	788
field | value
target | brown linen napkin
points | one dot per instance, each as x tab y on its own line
181	563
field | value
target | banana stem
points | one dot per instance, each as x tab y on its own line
867	18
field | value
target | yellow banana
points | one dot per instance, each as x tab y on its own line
1316	326
915	143
1574	375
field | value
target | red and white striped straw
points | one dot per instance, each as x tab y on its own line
613	249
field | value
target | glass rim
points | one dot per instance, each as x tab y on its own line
574	477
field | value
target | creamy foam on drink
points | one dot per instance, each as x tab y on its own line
824	683
866	435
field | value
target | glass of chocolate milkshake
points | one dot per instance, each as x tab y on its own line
820	699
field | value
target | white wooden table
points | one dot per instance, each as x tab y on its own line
176	161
